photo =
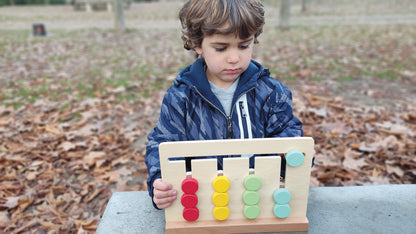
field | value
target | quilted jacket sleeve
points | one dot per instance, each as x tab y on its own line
170	127
281	121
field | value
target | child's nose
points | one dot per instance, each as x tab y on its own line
233	58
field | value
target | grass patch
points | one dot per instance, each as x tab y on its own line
346	78
387	75
290	78
316	78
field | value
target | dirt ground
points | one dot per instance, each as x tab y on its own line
156	16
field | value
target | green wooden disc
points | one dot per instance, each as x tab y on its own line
252	182
251	197
251	212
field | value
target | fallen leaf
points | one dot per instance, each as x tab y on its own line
11	203
351	162
92	157
4	219
395	170
52	129
66	146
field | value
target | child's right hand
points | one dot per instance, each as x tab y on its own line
163	194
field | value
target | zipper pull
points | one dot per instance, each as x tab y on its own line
229	128
242	110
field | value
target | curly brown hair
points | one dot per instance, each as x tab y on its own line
201	18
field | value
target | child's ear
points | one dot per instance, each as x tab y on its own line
198	50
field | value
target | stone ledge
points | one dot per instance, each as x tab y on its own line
357	209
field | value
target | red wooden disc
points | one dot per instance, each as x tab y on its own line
189	200
190	214
189	185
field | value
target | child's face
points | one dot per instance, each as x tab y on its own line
226	56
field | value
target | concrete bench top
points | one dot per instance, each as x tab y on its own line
357	209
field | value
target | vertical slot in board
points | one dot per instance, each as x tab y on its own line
268	169
175	173
297	182
204	171
236	169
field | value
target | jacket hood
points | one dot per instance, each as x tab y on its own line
194	76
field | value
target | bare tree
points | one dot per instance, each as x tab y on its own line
119	16
306	5
284	23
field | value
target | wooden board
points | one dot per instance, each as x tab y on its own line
240	226
235	169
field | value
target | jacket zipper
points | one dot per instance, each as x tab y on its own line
243	115
229	128
229	118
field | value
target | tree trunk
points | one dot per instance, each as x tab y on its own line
119	16
306	5
284	23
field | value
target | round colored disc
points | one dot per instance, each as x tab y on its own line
251	212
189	200
281	196
189	185
221	212
220	199
281	211
190	214
221	184
294	158
251	197
252	182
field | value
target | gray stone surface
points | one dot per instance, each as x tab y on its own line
362	209
131	212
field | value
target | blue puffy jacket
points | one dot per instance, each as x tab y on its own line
262	107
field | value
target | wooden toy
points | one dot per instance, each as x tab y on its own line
238	199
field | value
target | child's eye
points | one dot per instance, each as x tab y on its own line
219	49
244	46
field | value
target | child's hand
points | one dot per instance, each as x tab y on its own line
163	194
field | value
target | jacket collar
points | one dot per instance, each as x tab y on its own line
194	76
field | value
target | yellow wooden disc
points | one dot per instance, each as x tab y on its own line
221	213
220	199
221	184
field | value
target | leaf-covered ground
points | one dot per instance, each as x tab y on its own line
76	107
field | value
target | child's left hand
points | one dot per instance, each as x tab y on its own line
163	194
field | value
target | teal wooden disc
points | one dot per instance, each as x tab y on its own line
294	158
281	211
281	196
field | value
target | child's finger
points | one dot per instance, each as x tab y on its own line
159	185
163	194
163	202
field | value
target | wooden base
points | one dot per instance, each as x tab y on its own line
240	226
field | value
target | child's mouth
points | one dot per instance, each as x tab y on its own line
232	71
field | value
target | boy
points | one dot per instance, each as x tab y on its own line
223	94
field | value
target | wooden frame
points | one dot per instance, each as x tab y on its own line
235	169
